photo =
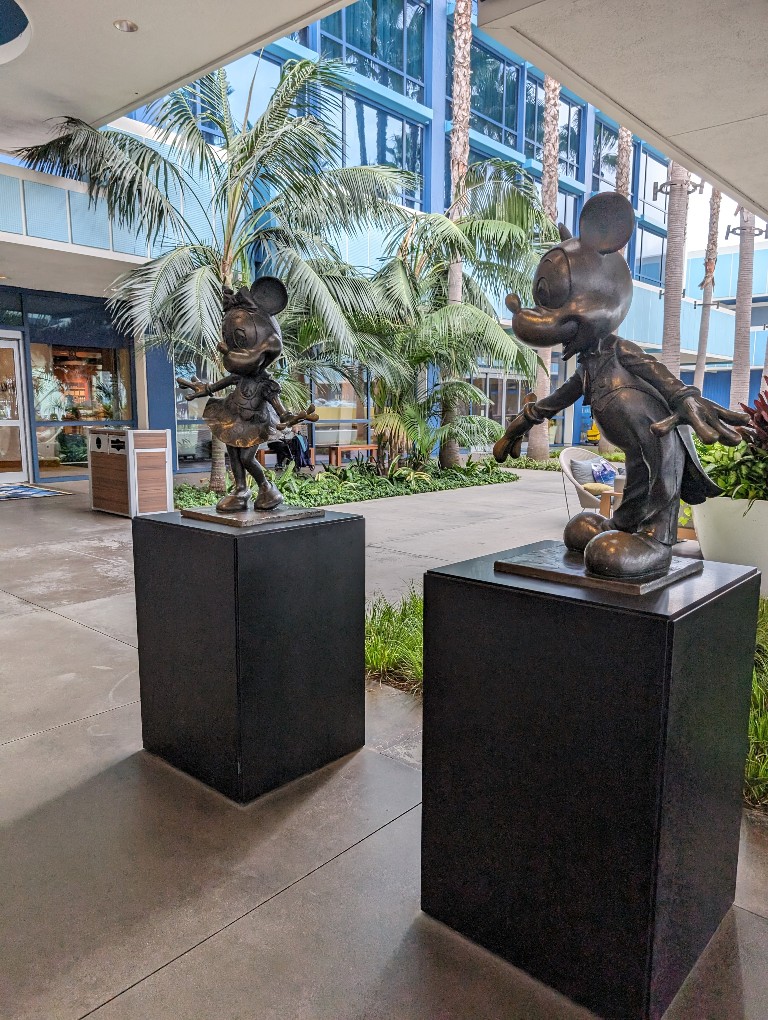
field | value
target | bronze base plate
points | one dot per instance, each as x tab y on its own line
551	561
251	518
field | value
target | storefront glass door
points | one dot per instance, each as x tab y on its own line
14	465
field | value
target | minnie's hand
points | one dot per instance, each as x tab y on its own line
288	419
711	422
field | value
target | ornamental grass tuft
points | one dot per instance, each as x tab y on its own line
394	641
756	772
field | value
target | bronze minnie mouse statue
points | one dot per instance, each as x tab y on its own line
583	290
251	341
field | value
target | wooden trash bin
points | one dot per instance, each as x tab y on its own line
130	470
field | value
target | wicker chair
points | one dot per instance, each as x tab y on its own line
567	456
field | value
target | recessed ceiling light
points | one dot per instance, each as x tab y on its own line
123	25
3	277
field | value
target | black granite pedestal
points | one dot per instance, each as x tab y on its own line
251	646
583	764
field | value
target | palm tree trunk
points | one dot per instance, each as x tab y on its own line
538	437
462	92
677	216
743	318
707	286
623	182
218	479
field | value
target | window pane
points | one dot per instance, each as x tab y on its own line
61	450
487	84
332	24
534	118
415	16
193	445
81	385
649	262
330	48
652	172
510	98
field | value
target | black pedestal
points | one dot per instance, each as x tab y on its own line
251	646
583	763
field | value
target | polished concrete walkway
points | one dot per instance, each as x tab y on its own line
129	892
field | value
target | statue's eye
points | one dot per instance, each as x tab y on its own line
239	338
552	286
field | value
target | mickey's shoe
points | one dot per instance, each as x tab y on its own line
235	501
619	554
582	528
269	497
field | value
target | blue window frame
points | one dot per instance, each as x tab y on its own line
605	150
382	40
650	250
495	83
569	121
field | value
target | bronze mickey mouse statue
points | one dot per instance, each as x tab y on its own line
251	341
583	290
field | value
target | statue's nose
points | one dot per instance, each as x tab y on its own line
513	303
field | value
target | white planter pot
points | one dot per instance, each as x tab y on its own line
729	535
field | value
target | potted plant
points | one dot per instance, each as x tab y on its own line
733	527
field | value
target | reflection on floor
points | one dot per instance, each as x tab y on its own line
131	892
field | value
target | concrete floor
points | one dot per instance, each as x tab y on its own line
130	891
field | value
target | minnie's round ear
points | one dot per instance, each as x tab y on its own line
606	222
269	294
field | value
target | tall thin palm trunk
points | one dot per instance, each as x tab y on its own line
538	437
674	270
462	94
743	318
707	286
623	184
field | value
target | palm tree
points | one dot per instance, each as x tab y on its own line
674	268
269	196
538	437
707	286
440	340
743	317
461	99
624	162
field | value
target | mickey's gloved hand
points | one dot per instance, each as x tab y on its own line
710	422
511	442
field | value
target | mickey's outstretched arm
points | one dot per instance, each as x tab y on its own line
711	422
534	414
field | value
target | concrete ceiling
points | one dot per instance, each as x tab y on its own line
689	76
68	269
74	62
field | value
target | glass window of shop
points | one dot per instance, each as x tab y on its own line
652	172
343	408
493	104
569	126
193	437
382	40
604	154
567	211
72	385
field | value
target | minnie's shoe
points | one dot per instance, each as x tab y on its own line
582	528
269	497
234	502
618	554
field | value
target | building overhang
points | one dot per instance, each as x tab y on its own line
74	62
688	77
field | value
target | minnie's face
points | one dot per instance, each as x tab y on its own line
251	341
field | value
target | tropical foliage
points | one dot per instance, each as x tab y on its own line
394	641
756	772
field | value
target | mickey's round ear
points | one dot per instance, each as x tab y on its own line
269	294
606	222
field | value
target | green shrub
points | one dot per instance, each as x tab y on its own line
740	471
531	464
394	642
756	772
360	481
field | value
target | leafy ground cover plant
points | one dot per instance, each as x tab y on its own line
742	471
394	642
756	772
360	481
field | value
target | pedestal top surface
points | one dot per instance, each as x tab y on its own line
676	600
174	519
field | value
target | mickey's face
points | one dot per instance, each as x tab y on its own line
582	288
